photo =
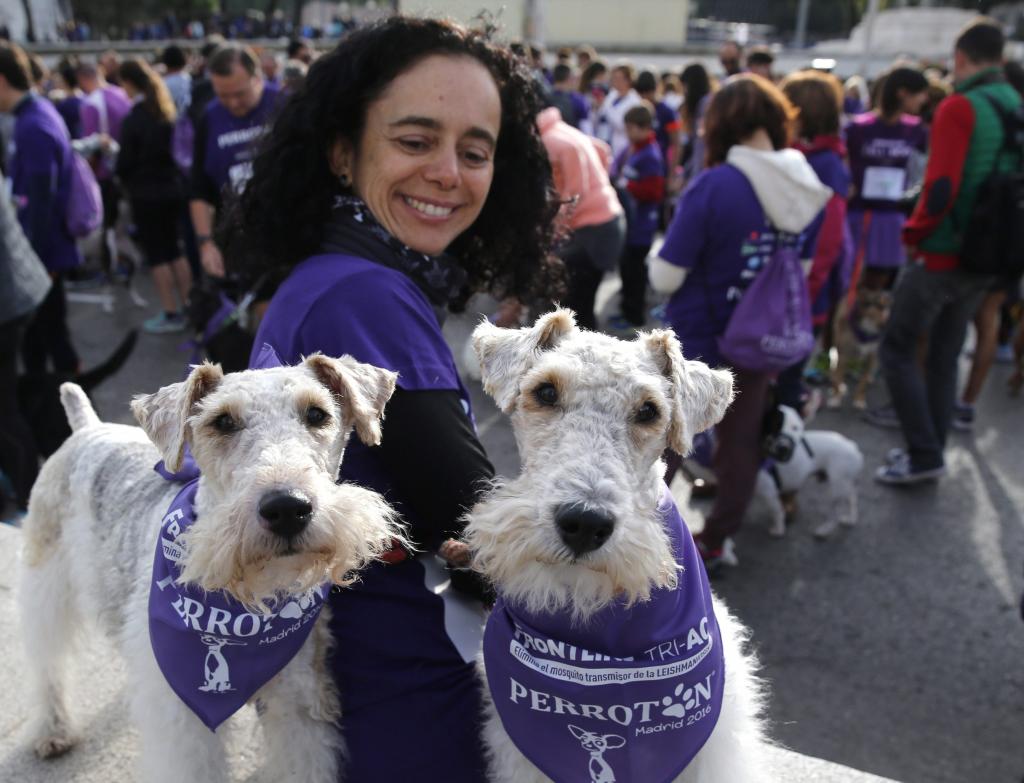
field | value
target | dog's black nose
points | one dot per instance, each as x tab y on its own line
583	529
286	513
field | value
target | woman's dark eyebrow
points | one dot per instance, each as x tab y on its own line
432	124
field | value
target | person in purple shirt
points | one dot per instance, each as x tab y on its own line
102	113
226	137
755	195
407	173
881	145
638	173
573	106
38	172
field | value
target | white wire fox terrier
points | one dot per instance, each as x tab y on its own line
271	529
797	454
579	543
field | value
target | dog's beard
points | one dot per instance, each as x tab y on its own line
516	547
351	526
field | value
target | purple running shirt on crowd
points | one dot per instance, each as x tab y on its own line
641	216
214	652
832	171
38	158
231	141
720	233
879	157
410	695
630	696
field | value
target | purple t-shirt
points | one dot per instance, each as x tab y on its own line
641	216
879	154
231	142
666	119
411	699
721	234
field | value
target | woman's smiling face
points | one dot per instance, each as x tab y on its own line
425	161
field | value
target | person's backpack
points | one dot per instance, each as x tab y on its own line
84	212
993	237
770	329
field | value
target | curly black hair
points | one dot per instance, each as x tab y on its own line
280	217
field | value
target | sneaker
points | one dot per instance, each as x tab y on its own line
895	455
883	417
164	324
1004	354
963	417
902	473
714	560
658	313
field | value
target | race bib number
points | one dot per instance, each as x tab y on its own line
884	183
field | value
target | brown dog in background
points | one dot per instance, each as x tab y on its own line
858	331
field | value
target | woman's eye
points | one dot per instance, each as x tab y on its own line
476	158
546	394
225	424
647	412
315	416
413	145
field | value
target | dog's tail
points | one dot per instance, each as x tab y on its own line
89	379
77	407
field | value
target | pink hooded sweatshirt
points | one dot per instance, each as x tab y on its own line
579	165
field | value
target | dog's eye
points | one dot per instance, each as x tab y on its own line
315	416
225	424
546	394
646	413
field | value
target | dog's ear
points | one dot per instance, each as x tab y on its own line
699	395
164	414
362	391
613	741
771	424
506	354
577	732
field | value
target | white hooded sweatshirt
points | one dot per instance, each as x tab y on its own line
787	188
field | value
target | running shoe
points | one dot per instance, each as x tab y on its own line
164	324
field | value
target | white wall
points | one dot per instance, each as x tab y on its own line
644	23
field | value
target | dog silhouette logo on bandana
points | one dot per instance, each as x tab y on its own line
639	689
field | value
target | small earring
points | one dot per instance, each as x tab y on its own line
344	180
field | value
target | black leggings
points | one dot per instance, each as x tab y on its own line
47	336
19	458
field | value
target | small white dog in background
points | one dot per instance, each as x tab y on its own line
585	540
797	454
271	527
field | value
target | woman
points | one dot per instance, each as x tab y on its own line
696	89
620	100
818	97
155	190
405	171
882	145
755	195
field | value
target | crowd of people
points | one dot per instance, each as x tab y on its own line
358	195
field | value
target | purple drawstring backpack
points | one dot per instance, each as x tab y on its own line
770	329
84	211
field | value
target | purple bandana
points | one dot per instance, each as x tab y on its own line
630	697
214	652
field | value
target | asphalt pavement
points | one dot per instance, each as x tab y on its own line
896	647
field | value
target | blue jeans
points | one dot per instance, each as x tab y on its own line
936	306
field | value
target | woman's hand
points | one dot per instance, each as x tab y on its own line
455	553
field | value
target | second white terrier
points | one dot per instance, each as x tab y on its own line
797	454
606	657
226	611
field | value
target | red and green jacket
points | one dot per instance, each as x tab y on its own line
967	135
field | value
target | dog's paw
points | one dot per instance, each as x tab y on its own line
778	528
821	532
834	401
860	403
54	745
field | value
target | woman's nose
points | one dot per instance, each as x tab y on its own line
444	169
